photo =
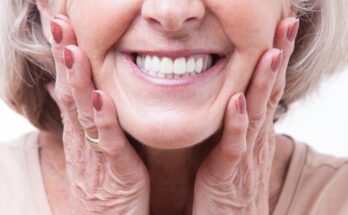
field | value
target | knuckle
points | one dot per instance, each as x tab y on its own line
275	97
272	105
262	84
86	120
255	121
65	99
104	124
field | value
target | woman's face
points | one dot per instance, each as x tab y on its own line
167	112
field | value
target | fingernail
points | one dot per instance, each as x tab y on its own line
68	58
97	100
276	61
57	33
293	30
241	104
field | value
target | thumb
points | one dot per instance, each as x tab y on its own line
124	162
221	163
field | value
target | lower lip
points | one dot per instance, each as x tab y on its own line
175	82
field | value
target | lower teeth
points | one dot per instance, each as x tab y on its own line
170	75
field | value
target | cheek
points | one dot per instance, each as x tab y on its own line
98	26
250	24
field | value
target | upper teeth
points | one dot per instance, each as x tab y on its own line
178	67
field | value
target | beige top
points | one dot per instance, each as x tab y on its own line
316	184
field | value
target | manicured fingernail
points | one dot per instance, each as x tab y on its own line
276	61
57	32
68	58
97	100
241	104
293	30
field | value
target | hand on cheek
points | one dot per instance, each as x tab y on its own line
234	179
109	178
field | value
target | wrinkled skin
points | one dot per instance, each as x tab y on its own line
234	177
123	26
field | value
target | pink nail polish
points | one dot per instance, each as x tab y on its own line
68	58
57	32
97	100
241	104
277	61
293	30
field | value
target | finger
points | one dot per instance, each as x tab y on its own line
222	161
286	33
125	163
259	90
80	80
63	35
50	87
285	39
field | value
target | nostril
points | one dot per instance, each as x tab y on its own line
190	19
153	21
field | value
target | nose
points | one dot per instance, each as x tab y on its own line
172	16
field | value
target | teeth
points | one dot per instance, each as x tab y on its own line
179	66
191	64
140	62
199	65
166	65
174	68
155	64
147	64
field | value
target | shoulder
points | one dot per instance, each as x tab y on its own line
14	173
328	175
317	160
13	152
318	183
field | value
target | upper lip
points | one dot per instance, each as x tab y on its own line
176	53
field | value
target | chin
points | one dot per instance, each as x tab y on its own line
175	133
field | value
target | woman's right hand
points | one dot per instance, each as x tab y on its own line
115	180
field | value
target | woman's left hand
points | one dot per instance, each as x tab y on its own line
234	179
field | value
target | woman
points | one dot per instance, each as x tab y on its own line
155	107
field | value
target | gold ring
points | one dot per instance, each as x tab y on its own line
94	143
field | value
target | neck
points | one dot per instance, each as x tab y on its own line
172	174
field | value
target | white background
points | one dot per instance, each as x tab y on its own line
321	121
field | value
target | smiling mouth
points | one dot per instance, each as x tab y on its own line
175	67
